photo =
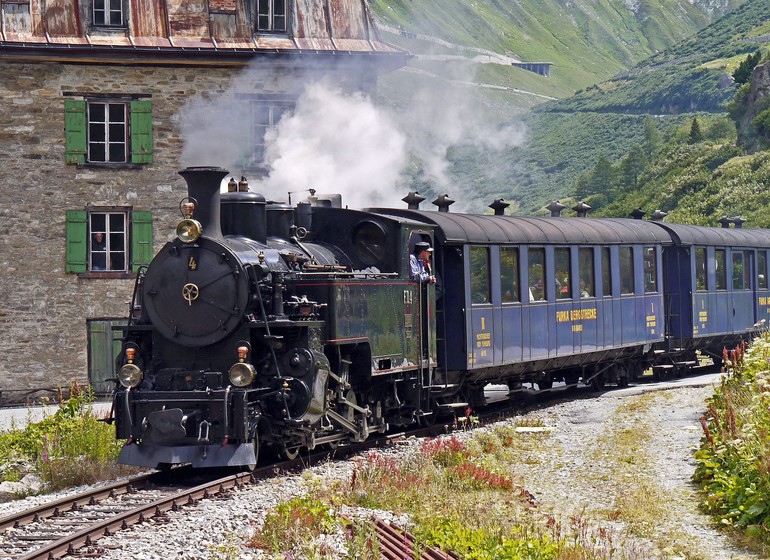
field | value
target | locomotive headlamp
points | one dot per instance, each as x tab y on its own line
130	375
242	373
188	230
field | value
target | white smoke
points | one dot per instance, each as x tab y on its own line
335	142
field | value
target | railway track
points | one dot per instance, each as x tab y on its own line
75	524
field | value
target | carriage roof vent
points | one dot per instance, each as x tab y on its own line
658	215
555	208
739	221
443	202
413	199
499	206
725	222
582	209
637	213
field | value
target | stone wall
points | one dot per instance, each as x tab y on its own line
43	310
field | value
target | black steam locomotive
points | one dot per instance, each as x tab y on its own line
270	328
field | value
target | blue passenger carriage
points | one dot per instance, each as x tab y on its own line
550	299
717	286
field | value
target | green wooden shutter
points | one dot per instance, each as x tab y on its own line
76	241
75	130
141	132
141	239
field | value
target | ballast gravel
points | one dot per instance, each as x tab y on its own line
574	474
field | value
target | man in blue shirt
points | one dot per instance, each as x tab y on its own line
418	271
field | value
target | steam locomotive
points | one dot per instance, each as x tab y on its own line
270	328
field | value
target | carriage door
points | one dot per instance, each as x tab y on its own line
742	295
481	317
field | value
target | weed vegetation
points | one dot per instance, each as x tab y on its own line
460	496
734	458
71	447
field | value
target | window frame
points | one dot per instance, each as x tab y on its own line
483	273
109	8
510	264
138	242
260	130
138	130
701	270
266	12
606	264
108	139
650	269
563	274
762	270
627	270
586	272
532	275
720	275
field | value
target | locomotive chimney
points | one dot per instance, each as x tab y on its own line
555	208
443	202
203	185
413	200
499	207
637	213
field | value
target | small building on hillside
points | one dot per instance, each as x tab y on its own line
92	124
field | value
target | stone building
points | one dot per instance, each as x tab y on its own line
92	134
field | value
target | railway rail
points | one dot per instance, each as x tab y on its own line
75	524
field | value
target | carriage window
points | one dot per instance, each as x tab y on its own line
586	272
509	274
721	269
762	270
701	278
650	270
627	270
536	274
563	276
606	273
479	257
737	270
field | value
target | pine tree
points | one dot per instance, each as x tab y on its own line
652	137
742	74
695	133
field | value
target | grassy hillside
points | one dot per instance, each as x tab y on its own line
566	137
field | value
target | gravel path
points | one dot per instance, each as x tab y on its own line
602	458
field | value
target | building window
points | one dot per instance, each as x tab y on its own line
271	15
108	131
265	116
108	13
113	241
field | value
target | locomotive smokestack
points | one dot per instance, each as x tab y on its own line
203	185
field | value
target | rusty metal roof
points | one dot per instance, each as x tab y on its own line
222	30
